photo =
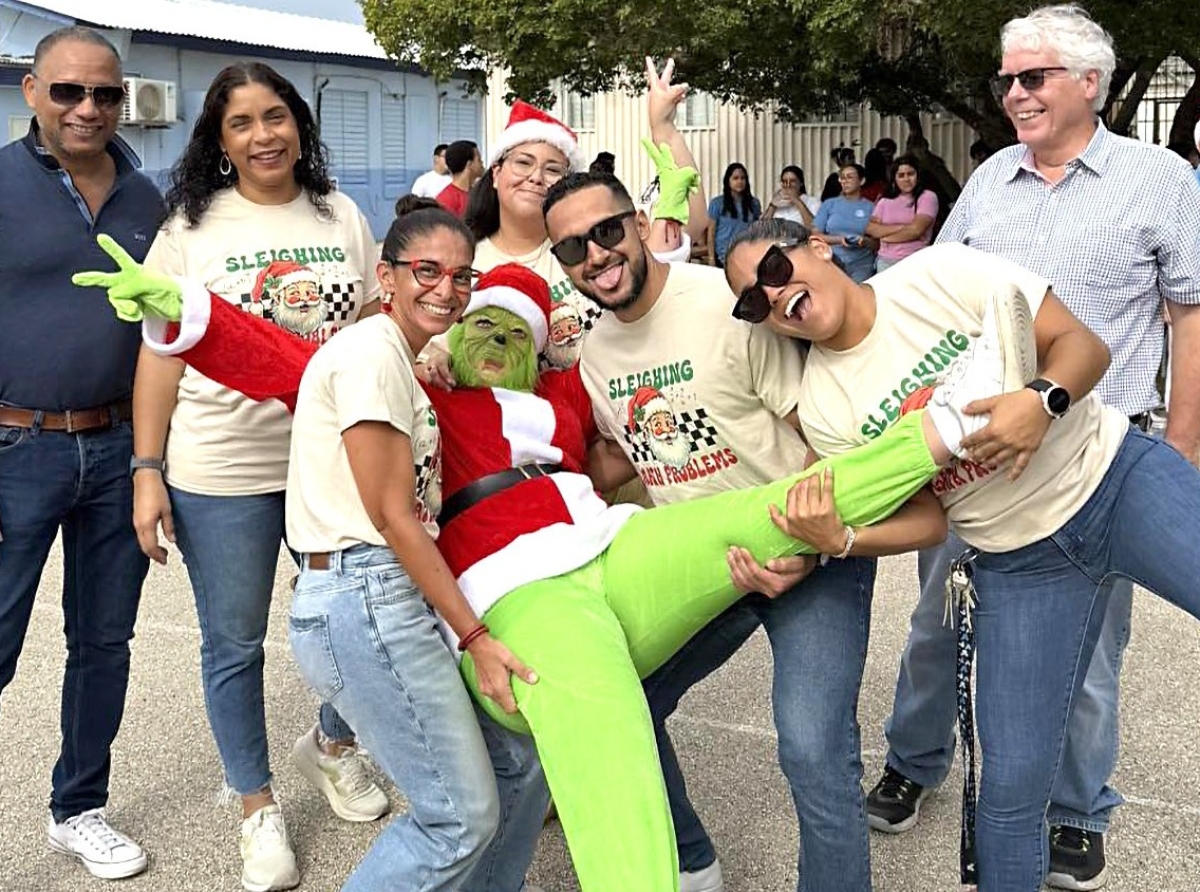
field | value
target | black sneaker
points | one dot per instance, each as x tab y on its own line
1076	859
893	805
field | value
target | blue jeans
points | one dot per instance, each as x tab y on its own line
367	642
79	483
818	634
1040	613
230	546
920	730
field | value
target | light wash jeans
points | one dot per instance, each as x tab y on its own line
79	484
921	729
1040	613
367	642
818	632
230	547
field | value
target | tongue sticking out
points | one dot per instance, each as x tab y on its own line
609	278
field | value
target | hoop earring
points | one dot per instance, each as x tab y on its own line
225	168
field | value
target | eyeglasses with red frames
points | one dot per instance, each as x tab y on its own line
428	273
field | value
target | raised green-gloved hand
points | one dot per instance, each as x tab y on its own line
675	184
133	290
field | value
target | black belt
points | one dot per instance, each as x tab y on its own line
1141	421
480	489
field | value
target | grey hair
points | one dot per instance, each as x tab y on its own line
1081	44
76	33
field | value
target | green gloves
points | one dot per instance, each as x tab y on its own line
134	291
675	184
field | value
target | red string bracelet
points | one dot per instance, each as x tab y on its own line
470	637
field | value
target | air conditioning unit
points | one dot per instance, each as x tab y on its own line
149	103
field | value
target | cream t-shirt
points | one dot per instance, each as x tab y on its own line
365	374
220	442
928	310
695	398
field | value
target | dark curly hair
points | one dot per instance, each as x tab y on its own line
196	176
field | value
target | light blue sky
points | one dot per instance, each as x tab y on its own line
343	10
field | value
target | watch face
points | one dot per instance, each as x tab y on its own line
1058	400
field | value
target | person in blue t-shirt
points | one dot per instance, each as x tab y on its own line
844	221
731	211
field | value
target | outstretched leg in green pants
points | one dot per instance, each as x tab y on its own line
594	633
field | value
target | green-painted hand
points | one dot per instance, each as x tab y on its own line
675	184
133	290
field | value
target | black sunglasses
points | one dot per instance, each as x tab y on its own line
607	234
1029	79
70	95
774	271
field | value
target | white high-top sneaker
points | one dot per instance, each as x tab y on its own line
1003	359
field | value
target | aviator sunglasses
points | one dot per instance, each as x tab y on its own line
774	271
607	234
1030	79
70	95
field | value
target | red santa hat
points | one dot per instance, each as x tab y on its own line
646	401
279	274
519	290
529	124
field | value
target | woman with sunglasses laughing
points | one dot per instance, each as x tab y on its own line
1056	494
257	220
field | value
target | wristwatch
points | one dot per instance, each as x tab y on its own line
154	464
1055	399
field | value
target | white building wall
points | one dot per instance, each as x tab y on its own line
764	144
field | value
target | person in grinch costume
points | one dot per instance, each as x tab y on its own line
592	597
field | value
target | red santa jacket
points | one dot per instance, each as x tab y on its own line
537	529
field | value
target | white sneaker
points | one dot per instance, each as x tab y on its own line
268	861
344	780
1002	359
105	852
708	879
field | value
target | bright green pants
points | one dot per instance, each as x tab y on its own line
594	633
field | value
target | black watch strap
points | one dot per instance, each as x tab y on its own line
153	464
1056	399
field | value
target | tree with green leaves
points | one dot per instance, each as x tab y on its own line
800	57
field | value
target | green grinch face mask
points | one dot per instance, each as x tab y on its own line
493	348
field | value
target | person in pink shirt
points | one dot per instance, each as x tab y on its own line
903	218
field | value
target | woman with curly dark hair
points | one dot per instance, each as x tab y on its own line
255	218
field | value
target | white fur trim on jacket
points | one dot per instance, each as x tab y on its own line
193	321
538	131
515	302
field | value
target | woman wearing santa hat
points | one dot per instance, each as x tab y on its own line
256	219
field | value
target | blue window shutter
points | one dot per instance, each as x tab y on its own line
344	128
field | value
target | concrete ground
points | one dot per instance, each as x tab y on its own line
166	775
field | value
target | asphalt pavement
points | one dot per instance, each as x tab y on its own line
166	776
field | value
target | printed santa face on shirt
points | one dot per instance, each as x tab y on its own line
651	417
292	293
566	336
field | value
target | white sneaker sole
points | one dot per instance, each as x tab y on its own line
1014	331
1066	881
289	882
99	869
315	776
878	823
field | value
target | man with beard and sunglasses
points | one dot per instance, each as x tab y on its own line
1115	224
669	344
66	383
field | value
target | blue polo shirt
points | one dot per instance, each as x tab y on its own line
61	346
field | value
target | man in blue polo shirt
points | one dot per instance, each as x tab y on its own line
66	382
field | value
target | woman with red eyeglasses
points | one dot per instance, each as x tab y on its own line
254	218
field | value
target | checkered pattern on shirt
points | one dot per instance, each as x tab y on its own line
1117	235
340	299
694	425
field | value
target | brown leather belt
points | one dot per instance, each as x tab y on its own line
72	421
318	560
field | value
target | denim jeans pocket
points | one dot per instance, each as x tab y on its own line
313	650
11	437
